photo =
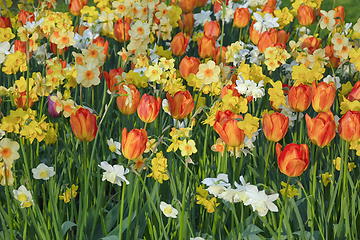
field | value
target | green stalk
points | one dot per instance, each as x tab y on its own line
182	220
122	210
10	212
267	161
345	149
131	209
85	200
284	209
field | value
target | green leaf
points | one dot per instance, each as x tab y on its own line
112	237
66	226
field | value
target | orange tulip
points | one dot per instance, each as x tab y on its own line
282	37
80	30
349	126
294	160
223	55
212	29
267	39
187	6
311	43
111	80
275	126
189	65
200	3
123	106
270	6
148	108
300	97
21	101
119	30
339	13
75	6
54	49
178	44
84	125
206	47
330	53
25	16
254	34
100	42
323	96
226	126
181	104
355	93
231	87
186	22
21	46
306	15
133	144
5	22
321	129
241	17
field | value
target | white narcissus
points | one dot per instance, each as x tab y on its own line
24	196
114	146
43	172
168	210
9	151
114	174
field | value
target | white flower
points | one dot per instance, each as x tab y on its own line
256	56
303	30
202	17
2	133
114	146
4	51
229	13
165	106
168	210
114	174
327	20
128	100
335	80
197	238
228	195
24	196
217	185
262	202
43	172
266	23
356	27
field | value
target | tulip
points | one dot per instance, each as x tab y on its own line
349	126
300	97
111	80
226	126
75	6
181	104
254	34
231	87
294	160
80	30
282	37
306	15
25	16
223	55
323	96
100	42
355	93
339	13
206	47
200	3
5	22
189	65
270	6
84	125
54	49
124	106
311	43
133	144
330	53
187	6
21	101
321	129
275	126
186	23
241	17
212	29
148	108
178	44
267	39
52	108
119	30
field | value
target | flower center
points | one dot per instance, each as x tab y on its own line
5	152
93	53
22	197
89	74
167	210
188	148
326	20
140	30
219	148
65	40
43	173
112	148
208	72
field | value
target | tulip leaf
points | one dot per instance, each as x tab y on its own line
66	226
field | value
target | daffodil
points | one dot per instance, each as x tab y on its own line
24	196
43	172
209	72
9	151
114	174
114	146
168	210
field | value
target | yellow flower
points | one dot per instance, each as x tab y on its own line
150	144
272	64
193	81
88	76
337	162
326	178
187	148
277	94
166	64
219	146
291	191
94	55
159	165
175	15
153	72
89	14
69	193
202	198
285	17
209	72
250	124
163	53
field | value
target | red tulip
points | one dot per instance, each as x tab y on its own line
294	160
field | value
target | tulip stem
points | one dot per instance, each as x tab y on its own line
296	127
285	208
122	210
267	160
182	220
240	34
8	201
345	149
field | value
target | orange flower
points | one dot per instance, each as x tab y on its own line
349	126
270	6
217	55
206	47
282	37
127	105
330	53
254	34
187	6
100	42
133	144
84	125
212	29
54	49
189	65
267	39
25	16
300	97
21	46
200	3
321	129
294	160
323	96
119	30
111	80
311	43
355	93
226	126
5	22
241	17
231	87
275	126
339	13
178	44
148	108
75	6
186	22
181	104
306	15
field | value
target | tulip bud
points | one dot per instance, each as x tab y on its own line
119	30
323	96
75	6
178	44
181	104
311	43
254	34
206	47
275	126
84	125
241	17
186	23
187	6
133	144
267	39
300	97
330	53
125	105
226	126
52	108
321	129
282	37
148	108
306	15
212	29
355	93
339	13
223	55
111	78
189	65
5	22
294	160
349	126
